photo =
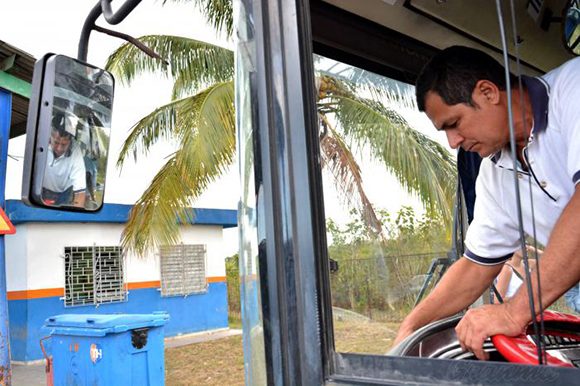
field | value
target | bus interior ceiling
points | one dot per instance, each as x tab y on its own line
442	23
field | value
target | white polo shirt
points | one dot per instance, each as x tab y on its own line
63	172
553	158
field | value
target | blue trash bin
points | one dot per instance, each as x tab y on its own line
118	349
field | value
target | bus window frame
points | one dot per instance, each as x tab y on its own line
294	271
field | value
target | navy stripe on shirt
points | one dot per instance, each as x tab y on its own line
486	260
576	177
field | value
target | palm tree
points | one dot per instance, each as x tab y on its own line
201	118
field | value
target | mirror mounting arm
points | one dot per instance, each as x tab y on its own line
102	7
131	40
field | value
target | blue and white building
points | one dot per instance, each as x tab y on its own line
60	262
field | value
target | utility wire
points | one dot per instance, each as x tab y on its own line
515	170
542	353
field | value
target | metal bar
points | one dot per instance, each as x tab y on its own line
434	264
112	18
285	138
513	150
122	12
5	114
95	272
131	40
86	32
15	85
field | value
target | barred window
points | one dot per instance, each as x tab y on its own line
183	269
93	275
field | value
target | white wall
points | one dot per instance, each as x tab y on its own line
35	254
16	252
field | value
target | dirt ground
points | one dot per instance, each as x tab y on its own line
364	337
220	362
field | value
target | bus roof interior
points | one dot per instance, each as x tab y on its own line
442	23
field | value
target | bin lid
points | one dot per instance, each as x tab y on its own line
102	324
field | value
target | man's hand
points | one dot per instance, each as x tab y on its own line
480	323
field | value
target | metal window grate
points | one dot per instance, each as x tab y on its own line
183	270
93	275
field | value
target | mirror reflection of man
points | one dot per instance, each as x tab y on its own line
64	182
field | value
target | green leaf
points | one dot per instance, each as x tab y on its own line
195	64
421	165
203	156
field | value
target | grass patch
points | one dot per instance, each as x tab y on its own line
364	337
219	362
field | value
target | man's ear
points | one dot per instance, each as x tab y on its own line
486	91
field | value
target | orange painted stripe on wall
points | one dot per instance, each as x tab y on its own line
216	279
35	294
59	292
144	284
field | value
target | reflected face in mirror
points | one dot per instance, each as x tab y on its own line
59	143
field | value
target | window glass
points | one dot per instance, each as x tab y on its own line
248	210
183	269
389	185
94	275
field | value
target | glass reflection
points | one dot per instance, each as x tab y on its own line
388	193
250	212
572	27
80	130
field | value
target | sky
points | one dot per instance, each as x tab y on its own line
38	27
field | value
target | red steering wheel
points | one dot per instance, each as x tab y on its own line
561	330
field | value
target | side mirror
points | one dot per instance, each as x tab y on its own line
571	26
68	135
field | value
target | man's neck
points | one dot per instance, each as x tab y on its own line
523	118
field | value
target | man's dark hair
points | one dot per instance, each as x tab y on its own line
59	125
453	73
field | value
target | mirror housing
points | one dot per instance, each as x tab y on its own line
571	27
68	135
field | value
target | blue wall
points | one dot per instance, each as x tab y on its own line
20	213
193	313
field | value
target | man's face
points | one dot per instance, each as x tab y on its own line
481	129
59	144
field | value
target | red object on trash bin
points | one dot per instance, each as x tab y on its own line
48	367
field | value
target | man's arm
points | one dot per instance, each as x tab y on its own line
461	285
559	270
78	178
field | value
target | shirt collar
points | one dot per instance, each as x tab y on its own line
539	93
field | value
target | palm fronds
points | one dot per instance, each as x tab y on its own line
203	156
340	162
196	64
421	165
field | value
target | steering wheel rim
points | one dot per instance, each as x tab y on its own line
521	349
